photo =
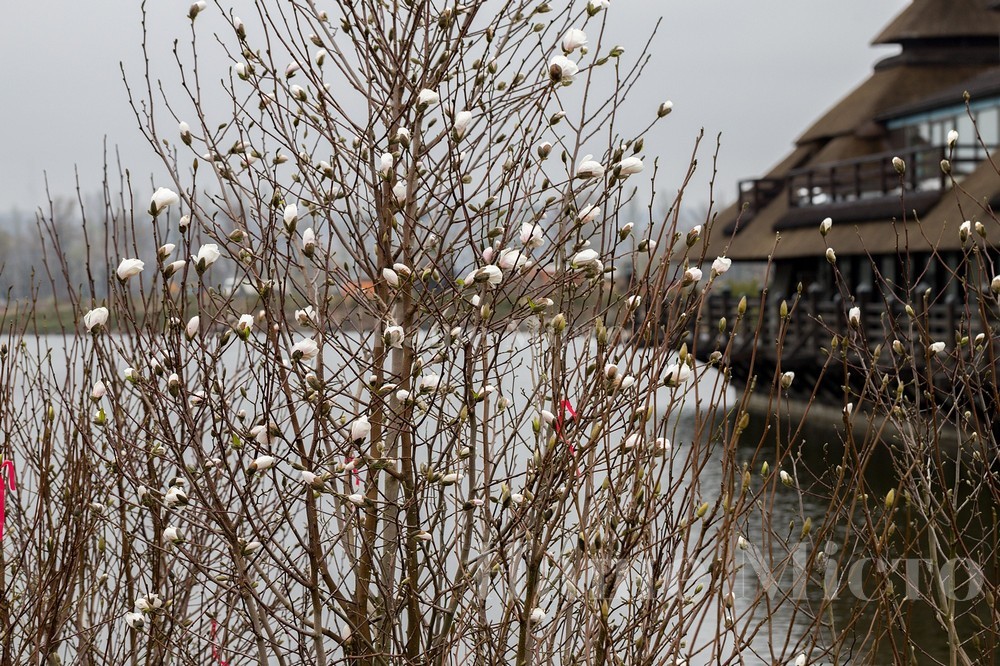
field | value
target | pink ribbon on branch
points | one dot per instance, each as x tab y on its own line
565	407
216	655
11	480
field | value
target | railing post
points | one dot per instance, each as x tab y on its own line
883	166
944	177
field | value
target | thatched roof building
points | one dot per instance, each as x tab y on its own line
841	166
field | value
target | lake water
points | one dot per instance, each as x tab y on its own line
772	626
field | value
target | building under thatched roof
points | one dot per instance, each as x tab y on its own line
946	77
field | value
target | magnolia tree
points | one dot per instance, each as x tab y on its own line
394	381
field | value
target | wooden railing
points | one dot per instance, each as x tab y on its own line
869	177
813	318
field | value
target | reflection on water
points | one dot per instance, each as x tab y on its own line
916	634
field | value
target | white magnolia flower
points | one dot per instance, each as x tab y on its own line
399	192
786	478
537	615
385	162
548	418
162	198
245	324
291	215
801	659
450	479
394	336
264	434
130	374
129	268
532	235
629	166
664	109
149	603
429	383
192	328
262	463
831	256
562	68
588	214
826	225
952	140
165	251
936	347
492	275
298	92
305	349
677	374
356	499
173	268
306	316
632	441
462	121
511	259
721	265
589	168
627	382
584	258
308	242
175	496
135	621
308	478
207	255
854	317
360	428
692	275
427	98
634	301
594	6
787	378
964	230
573	39
899	165
196	8
995	284
172	535
292	69
849	409
99	391
391	277
402	395
95	318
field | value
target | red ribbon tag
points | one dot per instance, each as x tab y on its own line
564	407
354	472
11	480
215	648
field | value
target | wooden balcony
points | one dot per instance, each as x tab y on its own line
865	182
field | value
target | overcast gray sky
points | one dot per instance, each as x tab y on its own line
759	71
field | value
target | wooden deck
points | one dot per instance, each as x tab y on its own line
766	344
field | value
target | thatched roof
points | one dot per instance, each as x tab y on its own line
884	90
936	19
929	74
935	227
